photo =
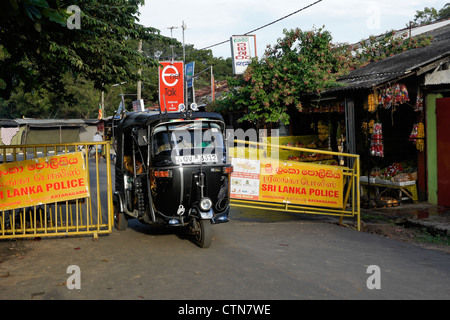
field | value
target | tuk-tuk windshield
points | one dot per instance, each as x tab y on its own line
189	142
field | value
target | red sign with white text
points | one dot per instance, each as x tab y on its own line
171	85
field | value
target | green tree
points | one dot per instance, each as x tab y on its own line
426	16
42	103
301	62
429	15
444	13
37	48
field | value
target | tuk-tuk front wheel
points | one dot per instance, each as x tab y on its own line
120	221
202	231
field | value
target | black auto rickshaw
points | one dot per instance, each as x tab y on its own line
172	170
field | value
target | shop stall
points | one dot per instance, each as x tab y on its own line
319	126
393	115
390	115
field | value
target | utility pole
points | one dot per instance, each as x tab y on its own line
212	84
183	25
102	106
171	36
139	84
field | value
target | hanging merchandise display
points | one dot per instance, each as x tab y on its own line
401	94
323	130
376	145
367	128
418	135
390	96
419	101
386	97
413	135
371	104
393	96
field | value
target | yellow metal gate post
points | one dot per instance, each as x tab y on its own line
27	210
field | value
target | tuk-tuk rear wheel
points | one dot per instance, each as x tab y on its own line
203	233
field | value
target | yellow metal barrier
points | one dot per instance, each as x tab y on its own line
90	215
350	206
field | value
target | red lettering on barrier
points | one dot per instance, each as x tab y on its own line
65	184
291	189
324	193
268	187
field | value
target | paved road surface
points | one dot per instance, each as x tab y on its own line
257	255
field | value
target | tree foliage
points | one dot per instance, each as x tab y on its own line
300	62
48	70
430	15
38	49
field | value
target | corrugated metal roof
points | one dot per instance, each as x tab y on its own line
399	65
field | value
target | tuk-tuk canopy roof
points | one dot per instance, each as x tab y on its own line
145	119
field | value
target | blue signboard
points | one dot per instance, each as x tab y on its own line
190	74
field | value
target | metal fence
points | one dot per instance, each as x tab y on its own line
91	215
350	168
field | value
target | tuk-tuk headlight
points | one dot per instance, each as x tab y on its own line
205	204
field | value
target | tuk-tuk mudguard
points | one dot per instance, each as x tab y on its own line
206	215
210	215
118	198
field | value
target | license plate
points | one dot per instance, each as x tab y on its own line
203	158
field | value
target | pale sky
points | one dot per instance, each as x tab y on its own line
214	21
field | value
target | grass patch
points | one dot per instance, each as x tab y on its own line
425	236
370	217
